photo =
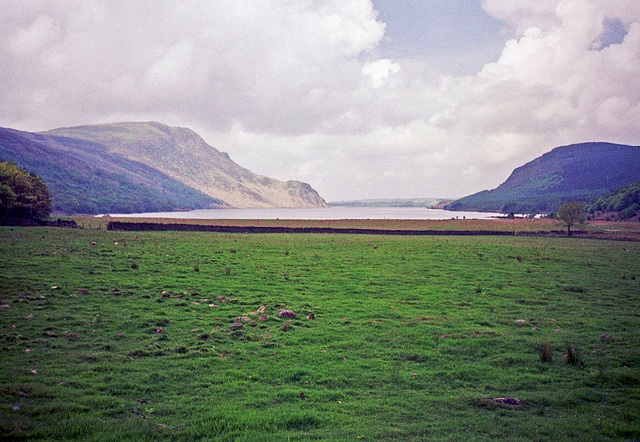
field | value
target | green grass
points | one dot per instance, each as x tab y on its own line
411	336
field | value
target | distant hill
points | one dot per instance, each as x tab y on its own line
581	172
393	202
143	167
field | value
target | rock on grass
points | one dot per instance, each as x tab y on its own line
287	314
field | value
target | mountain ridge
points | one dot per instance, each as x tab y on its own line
582	171
141	153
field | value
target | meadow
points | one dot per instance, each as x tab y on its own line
110	335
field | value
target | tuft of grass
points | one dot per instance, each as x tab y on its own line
573	356
545	352
575	289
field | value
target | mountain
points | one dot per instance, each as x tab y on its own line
581	172
138	167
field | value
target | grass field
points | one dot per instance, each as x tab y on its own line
167	335
517	225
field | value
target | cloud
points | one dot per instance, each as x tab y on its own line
170	67
562	81
296	90
236	60
38	34
379	71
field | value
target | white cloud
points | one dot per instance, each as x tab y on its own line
294	89
379	71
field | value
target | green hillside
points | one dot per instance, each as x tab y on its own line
143	167
85	179
184	156
623	203
581	172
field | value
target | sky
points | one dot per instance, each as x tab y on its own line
359	98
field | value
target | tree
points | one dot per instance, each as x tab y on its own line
22	194
571	213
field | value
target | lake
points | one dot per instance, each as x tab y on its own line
317	213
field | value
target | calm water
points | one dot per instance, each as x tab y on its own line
324	213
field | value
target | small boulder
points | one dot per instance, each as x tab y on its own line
286	326
236	326
261	311
606	337
510	401
287	314
311	316
73	336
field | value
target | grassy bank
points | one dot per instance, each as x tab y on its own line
117	335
